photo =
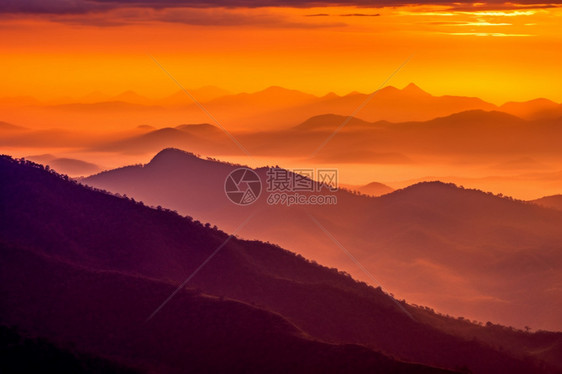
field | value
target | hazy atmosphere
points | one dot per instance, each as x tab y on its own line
280	186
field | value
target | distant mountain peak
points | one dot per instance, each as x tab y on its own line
538	101
412	88
480	115
172	154
331	95
199	126
436	190
130	97
9	126
329	121
426	188
129	94
278	90
427	185
389	89
553	202
145	127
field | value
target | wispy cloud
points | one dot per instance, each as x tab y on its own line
499	13
462	23
224	17
359	15
495	34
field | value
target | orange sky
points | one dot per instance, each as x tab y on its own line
498	55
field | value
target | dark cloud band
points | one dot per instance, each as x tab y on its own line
89	6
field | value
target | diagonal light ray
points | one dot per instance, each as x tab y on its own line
352	257
194	273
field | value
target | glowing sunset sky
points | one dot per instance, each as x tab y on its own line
496	51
